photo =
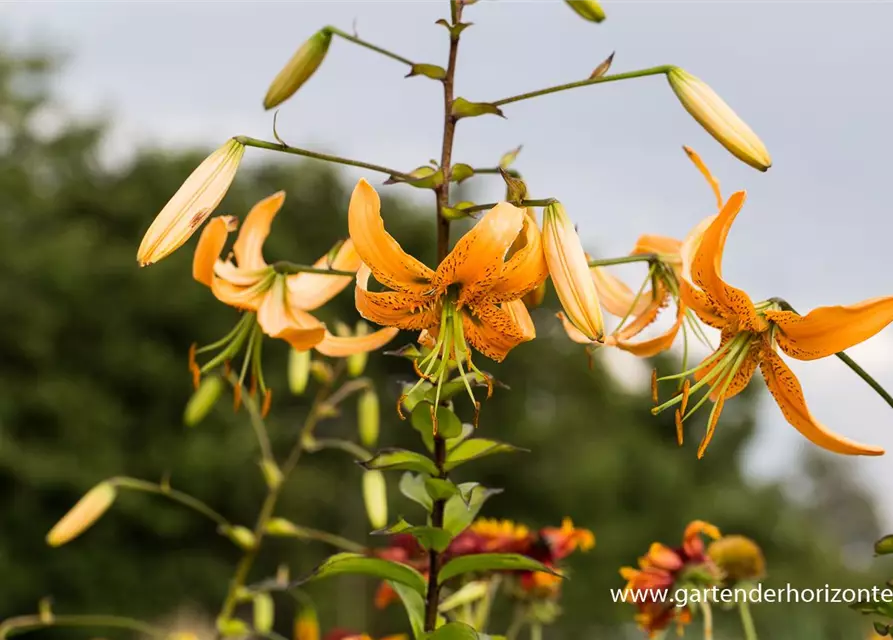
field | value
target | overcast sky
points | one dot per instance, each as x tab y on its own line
811	78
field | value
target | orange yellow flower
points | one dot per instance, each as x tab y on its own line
278	301
752	332
662	568
473	298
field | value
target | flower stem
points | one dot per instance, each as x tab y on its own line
123	482
390	54
708	620
641	73
536	631
325	157
24	624
639	257
750	632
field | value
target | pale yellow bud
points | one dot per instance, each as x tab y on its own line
298	371
299	69
82	515
569	270
588	9
718	119
264	613
193	203
375	496
356	362
368	417
202	401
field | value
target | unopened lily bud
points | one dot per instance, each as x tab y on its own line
281	527
232	627
740	558
356	362
202	401
272	473
368	417
299	69
322	372
193	203
264	612
569	269
718	119
375	497
588	9
298	371
83	515
240	535
307	624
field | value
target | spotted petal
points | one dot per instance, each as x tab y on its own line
494	331
525	270
400	309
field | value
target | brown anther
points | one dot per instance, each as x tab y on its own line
419	372
227	369
400	406
237	397
433	410
678	417
193	367
253	389
655	398
489	380
268	400
711	427
686	387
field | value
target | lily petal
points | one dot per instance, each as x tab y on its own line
572	332
310	291
615	296
786	390
242	297
521	316
525	270
713	182
652	346
210	244
301	330
828	330
254	231
706	269
698	302
338	347
661	245
399	309
391	266
492	330
477	260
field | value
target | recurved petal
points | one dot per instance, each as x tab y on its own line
521	316
661	245
338	347
713	182
301	330
827	330
572	332
570	274
615	296
310	291
210	244
391	266
249	296
652	346
697	301
525	270
249	245
493	331
786	390
400	309
477	260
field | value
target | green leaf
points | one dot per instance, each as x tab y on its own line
448	425
475	448
454	631
457	212
428	70
414	603
459	27
356	563
482	562
462	108
415	488
428	537
401	460
423	177
439	489
884	546
467	432
460	172
508	158
463	507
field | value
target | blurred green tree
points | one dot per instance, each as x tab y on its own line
94	378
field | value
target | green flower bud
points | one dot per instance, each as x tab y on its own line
588	9
281	527
299	69
368	417
240	535
264	612
83	515
202	401
375	497
356	363
298	371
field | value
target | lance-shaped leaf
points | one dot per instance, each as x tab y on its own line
440	489
448	424
462	108
428	70
460	172
459	631
414	487
428	537
463	507
414	604
508	158
483	562
358	564
475	448
401	460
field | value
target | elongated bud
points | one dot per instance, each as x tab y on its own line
570	272
298	371
264	612
193	203
368	417
718	119
242	536
375	496
307	624
272	474
356	362
298	70
203	400
83	515
281	527
588	9
232	627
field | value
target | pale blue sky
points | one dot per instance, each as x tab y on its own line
811	78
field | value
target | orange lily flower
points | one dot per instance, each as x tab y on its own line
659	570
751	332
279	302
472	298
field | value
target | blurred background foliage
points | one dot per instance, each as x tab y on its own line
94	380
